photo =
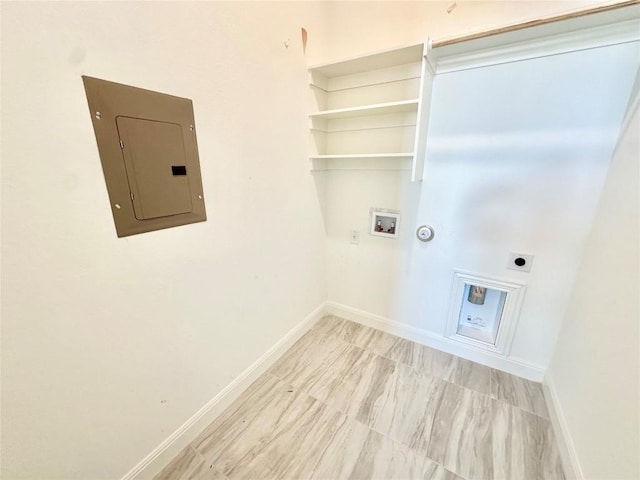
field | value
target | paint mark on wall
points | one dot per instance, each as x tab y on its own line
304	40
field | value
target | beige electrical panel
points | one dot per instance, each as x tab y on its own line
149	154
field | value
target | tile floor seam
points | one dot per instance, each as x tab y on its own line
347	416
368	427
420	372
542	417
417	452
491	380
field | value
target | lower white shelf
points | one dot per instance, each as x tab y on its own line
364	161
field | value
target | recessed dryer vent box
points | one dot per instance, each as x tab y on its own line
149	155
483	311
385	223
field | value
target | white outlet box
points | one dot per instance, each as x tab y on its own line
520	261
385	223
355	237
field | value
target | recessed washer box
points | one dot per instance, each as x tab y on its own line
149	155
384	223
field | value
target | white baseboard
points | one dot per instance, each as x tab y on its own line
511	365
568	453
153	463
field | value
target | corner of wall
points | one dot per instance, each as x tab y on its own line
157	459
568	454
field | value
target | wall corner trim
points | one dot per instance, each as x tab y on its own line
155	461
568	454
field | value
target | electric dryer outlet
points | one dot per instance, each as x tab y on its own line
520	261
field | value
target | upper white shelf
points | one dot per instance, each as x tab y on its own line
376	109
376	61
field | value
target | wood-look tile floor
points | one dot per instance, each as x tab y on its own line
348	401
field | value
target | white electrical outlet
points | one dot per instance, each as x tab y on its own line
355	237
520	261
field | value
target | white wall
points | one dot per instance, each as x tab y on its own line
594	374
517	155
110	344
361	27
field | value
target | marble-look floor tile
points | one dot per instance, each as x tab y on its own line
370	456
442	365
470	375
293	448
433	471
406	352
309	358
338	328
356	452
272	407
339	456
259	395
406	409
461	439
524	446
298	352
383	458
354	382
374	341
424	359
519	392
190	465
